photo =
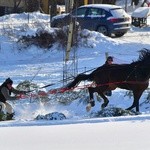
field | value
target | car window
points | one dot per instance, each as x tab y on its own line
95	12
119	12
79	12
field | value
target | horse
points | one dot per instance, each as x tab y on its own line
134	77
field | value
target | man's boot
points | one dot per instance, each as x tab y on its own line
9	116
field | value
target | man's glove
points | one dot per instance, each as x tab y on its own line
20	96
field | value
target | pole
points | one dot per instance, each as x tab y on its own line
106	55
126	5
36	74
70	34
85	2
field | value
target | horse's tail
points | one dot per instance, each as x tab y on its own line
78	79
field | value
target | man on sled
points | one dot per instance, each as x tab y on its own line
6	89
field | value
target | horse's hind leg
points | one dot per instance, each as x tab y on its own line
106	101
137	95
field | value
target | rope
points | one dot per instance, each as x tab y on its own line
62	90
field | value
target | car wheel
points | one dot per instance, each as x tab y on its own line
119	34
103	30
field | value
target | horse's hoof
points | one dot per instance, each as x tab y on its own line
104	105
88	107
92	103
128	108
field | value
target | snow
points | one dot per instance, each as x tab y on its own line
79	136
79	130
141	12
88	134
104	6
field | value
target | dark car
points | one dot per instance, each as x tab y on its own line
104	18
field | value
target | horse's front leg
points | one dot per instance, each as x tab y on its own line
91	102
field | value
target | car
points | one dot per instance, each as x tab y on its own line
104	18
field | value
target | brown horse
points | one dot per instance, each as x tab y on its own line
134	77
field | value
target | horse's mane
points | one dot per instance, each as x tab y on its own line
144	57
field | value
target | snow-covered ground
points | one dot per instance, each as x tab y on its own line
43	67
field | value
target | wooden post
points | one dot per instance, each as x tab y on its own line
69	43
85	2
45	6
53	9
70	34
106	55
67	6
126	5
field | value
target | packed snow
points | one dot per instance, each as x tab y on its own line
79	130
141	12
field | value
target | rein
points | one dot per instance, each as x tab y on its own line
62	90
131	73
